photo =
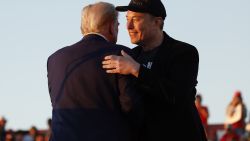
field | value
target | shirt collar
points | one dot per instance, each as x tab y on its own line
97	34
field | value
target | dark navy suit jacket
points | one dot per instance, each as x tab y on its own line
85	99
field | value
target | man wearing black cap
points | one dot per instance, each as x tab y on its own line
165	72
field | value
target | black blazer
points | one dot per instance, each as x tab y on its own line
85	99
168	89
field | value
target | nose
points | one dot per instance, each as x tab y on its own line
130	24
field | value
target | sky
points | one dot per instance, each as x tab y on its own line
31	30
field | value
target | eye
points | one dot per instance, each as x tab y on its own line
128	19
136	19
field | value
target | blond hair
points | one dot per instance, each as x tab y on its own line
96	16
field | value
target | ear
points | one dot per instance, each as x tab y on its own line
111	28
158	20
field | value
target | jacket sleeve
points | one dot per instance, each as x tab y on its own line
125	93
125	88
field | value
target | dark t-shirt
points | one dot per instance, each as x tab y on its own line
146	58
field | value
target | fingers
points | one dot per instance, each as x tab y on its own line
111	71
111	63
111	57
110	68
106	62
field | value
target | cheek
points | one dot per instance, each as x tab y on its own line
148	31
140	29
143	32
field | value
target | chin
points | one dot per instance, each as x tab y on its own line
135	42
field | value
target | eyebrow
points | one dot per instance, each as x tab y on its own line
135	16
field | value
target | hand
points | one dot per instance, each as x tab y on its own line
124	64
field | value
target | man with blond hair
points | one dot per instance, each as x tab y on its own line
89	104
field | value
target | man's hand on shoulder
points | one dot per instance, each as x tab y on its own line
124	64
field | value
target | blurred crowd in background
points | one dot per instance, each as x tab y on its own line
235	128
33	134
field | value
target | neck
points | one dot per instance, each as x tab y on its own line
103	36
155	42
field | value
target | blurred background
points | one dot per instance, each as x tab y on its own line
31	30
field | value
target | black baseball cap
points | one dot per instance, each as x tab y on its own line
153	7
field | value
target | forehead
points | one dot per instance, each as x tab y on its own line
136	14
